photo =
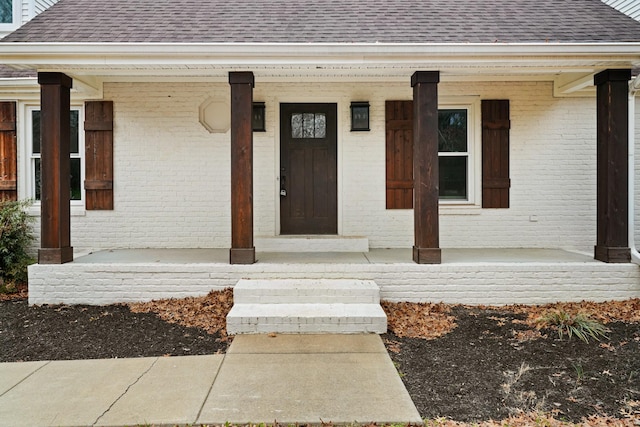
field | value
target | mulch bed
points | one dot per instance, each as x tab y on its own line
92	332
478	363
481	370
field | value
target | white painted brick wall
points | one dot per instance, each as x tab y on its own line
636	154
171	175
172	185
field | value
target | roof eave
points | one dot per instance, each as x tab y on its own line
553	57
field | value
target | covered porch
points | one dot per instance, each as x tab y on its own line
419	191
466	276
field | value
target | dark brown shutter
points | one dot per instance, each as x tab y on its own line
495	153
8	152
399	154
98	127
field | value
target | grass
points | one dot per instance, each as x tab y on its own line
579	325
579	369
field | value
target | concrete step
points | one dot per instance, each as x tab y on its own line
312	291
306	318
306	306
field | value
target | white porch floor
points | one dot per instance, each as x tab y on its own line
468	276
373	256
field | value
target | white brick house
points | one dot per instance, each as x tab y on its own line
165	70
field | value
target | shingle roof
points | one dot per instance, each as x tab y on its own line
11	73
329	21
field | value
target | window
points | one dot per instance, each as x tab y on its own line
308	125
76	148
455	154
9	15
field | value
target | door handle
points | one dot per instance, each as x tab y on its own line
283	190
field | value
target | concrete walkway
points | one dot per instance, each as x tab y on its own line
286	378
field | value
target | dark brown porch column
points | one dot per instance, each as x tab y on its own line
426	249
55	169
612	244
242	249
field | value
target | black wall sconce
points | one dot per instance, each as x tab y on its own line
359	116
257	117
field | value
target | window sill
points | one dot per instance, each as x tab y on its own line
452	209
459	209
76	210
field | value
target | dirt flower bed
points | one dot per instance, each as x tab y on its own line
463	366
478	364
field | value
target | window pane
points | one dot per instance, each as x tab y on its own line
320	125
76	189
309	125
452	130
74	131
453	177
296	126
36	177
6	11
37	140
35	131
308	128
76	193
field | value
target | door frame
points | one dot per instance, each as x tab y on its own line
277	146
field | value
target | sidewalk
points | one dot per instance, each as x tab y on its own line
286	379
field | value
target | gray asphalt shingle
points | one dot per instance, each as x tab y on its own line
11	73
329	21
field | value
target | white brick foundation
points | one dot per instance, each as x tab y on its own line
468	283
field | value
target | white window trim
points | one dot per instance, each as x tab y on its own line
17	17
27	176
474	150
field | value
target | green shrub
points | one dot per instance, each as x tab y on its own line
580	325
15	238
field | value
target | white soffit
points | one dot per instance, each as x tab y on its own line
130	58
569	66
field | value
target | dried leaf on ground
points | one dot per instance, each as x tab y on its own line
528	335
392	345
21	292
419	320
535	419
627	311
208	312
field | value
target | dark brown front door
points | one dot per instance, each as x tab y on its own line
308	169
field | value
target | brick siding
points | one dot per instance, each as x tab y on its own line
172	184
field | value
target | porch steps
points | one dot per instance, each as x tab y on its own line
306	306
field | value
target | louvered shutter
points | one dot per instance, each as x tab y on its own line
495	153
8	152
98	127
399	154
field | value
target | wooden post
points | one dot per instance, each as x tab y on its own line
612	244
426	249
56	169
242	250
